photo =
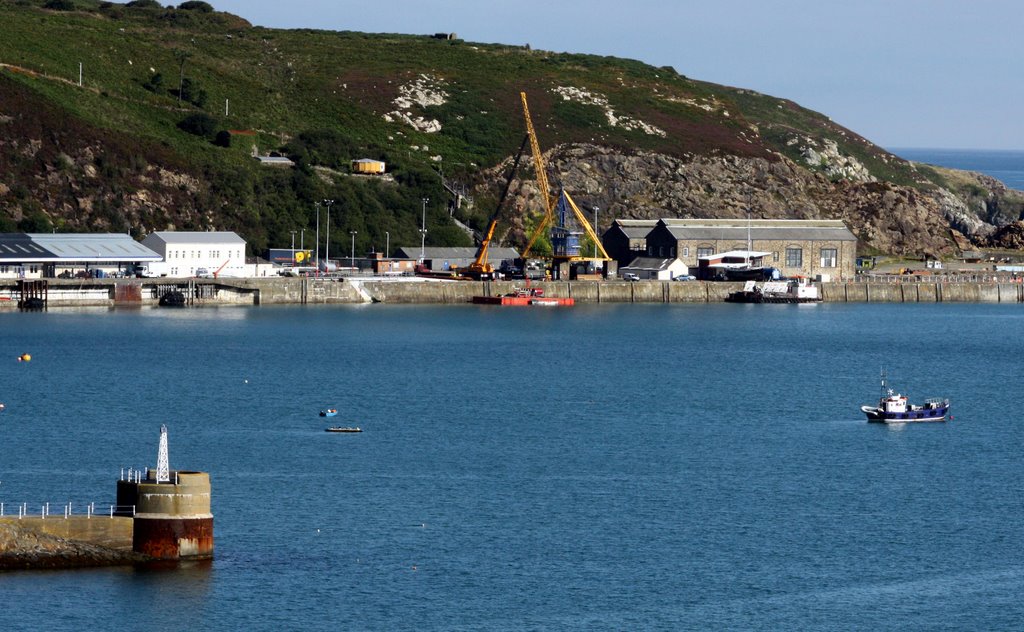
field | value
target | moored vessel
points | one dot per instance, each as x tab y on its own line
795	290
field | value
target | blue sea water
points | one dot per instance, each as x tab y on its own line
601	468
1004	165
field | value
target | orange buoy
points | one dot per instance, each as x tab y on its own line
24	358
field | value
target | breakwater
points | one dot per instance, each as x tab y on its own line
354	290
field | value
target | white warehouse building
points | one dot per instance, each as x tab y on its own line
222	253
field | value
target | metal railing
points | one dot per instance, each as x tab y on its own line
978	277
67	510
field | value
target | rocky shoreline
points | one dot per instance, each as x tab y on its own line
25	549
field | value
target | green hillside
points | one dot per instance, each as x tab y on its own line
117	141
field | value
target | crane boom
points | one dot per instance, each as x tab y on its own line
542	179
481	266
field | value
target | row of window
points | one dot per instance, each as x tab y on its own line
195	254
794	256
20	269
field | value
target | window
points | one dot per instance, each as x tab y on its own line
828	257
775	256
686	251
794	257
705	252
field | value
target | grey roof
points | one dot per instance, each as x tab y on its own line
196	237
73	247
760	229
635	228
494	253
649	263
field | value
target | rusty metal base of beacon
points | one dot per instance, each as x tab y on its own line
174	538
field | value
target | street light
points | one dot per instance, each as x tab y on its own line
423	231
595	232
302	243
293	246
352	259
317	204
387	244
327	246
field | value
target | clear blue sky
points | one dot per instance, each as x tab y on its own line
903	73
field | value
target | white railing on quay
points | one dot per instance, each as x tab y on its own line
937	278
67	510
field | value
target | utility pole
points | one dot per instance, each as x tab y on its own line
352	257
293	247
327	246
595	232
317	204
387	244
423	231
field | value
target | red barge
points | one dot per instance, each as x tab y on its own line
529	296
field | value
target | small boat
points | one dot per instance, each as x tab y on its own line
893	408
330	412
172	299
341	429
796	290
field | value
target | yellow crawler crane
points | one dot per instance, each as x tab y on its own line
549	203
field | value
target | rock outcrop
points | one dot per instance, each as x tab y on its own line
887	217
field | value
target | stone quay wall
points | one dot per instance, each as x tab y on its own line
354	290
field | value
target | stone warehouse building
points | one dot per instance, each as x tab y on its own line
796	246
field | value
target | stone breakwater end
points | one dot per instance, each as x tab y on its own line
29	545
314	291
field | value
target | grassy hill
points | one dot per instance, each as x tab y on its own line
112	153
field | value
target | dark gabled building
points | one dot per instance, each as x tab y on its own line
626	239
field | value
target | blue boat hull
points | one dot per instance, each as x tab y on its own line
924	414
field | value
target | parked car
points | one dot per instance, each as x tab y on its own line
203	273
685	277
630	276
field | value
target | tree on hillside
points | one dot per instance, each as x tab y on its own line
199	124
144	4
59	5
195	5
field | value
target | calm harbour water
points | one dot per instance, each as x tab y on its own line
602	467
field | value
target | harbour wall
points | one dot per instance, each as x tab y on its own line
110	532
322	291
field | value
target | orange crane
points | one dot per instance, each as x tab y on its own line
481	268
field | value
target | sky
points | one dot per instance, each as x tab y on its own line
902	73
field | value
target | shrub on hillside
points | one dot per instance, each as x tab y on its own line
199	124
223	138
59	5
195	5
144	4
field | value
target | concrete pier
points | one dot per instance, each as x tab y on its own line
354	290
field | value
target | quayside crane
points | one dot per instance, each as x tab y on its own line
481	268
564	240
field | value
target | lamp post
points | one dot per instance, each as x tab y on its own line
293	246
327	246
423	231
352	258
387	245
595	232
317	204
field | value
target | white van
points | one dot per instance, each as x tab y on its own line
630	276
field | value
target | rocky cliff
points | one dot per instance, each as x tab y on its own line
886	217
